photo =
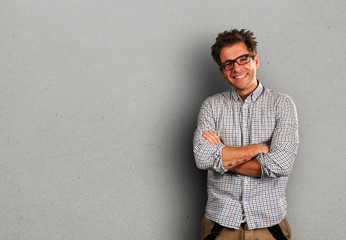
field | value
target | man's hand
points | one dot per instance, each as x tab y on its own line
262	148
211	137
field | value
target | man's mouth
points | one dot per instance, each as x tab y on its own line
240	77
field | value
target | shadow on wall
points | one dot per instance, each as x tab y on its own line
206	81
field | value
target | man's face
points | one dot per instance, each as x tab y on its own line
241	77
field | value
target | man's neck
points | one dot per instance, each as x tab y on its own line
243	94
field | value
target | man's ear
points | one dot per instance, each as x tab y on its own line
256	60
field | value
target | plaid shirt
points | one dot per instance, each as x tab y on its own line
265	117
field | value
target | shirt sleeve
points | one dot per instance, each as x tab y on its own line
207	156
284	145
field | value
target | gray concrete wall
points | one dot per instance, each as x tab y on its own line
99	102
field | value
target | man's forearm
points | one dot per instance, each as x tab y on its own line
251	168
240	160
236	156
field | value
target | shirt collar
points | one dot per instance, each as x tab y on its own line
253	96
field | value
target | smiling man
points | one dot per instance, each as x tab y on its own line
247	140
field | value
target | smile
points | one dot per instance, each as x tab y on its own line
242	76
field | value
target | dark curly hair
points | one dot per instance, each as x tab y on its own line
228	38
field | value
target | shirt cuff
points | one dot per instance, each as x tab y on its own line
262	160
218	165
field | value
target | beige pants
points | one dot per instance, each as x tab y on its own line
243	233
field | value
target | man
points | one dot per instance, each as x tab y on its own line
247	139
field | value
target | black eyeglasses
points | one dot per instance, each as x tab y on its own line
229	64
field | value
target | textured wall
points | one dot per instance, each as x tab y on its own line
99	101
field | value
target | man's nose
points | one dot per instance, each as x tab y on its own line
236	67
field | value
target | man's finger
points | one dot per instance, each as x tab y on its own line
211	137
208	137
215	137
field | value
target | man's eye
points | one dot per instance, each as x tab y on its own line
228	65
243	59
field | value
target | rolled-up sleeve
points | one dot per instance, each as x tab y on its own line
284	145
207	156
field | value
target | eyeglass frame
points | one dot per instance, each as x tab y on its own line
250	56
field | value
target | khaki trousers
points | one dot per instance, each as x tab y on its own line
243	233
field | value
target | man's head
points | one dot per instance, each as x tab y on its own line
228	38
236	54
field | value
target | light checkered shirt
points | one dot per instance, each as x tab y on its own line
265	117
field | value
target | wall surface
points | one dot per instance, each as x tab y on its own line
99	102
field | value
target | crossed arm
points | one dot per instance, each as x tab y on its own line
241	160
252	160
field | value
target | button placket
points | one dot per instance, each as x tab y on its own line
244	123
